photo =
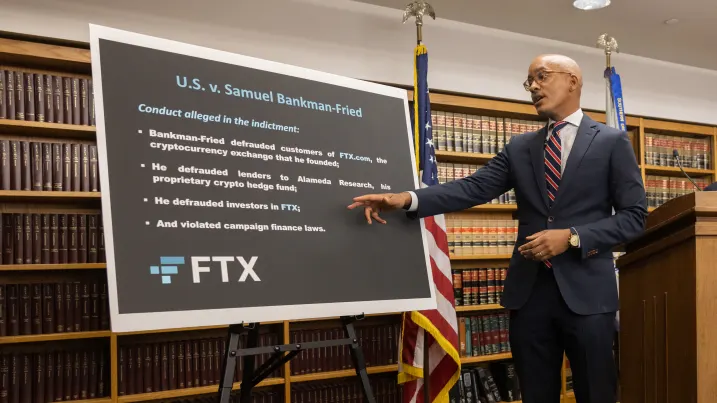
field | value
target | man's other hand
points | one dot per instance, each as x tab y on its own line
376	203
546	244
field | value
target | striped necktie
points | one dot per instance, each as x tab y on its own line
553	152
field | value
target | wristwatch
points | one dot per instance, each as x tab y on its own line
574	240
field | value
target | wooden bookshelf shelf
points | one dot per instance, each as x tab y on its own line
478	308
481	257
41	55
36	338
342	374
675	171
44	129
101	400
171	394
677	128
35	196
494	207
42	267
454	156
486	358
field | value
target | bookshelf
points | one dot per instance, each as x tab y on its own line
652	139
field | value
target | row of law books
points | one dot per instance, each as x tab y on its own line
385	390
54	307
478	286
485	334
448	171
468	236
661	189
693	152
495	383
258	395
461	132
180	364
379	344
52	238
57	375
48	166
37	97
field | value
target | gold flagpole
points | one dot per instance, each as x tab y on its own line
418	9
609	44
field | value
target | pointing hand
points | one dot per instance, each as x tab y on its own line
375	203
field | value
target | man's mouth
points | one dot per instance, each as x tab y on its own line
537	98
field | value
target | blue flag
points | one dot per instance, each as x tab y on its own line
422	129
615	107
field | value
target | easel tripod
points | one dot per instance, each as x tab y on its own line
280	355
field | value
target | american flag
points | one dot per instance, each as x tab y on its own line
434	330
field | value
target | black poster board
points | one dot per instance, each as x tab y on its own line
225	181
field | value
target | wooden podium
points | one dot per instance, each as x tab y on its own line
668	305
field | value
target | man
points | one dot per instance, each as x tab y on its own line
561	288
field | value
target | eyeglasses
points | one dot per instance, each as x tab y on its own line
541	77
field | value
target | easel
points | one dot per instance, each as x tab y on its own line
251	376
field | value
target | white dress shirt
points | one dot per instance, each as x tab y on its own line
567	138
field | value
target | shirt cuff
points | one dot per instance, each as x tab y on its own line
414	201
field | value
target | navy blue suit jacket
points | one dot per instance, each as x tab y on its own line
601	173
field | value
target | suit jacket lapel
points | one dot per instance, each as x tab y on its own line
537	156
586	133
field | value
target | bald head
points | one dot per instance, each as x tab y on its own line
555	85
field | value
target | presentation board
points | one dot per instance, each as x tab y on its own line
225	182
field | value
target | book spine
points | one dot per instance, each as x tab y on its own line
40	114
5	164
15	165
36	239
49	104
36	152
26	164
19	241
19	95
58	99
3	104
10	94
57	165
27	238
29	96
63	238
76	108
67	99
47	166
94	180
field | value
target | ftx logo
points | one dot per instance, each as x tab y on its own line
169	265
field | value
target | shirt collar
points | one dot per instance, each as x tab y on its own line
574	119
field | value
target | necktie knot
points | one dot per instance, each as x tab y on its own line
556	127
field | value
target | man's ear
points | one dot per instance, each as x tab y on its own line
573	83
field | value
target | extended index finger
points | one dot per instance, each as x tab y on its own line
369	197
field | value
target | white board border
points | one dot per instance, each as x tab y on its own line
215	317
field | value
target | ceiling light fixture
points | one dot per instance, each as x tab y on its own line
590	4
672	21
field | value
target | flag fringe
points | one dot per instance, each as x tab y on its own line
410	373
